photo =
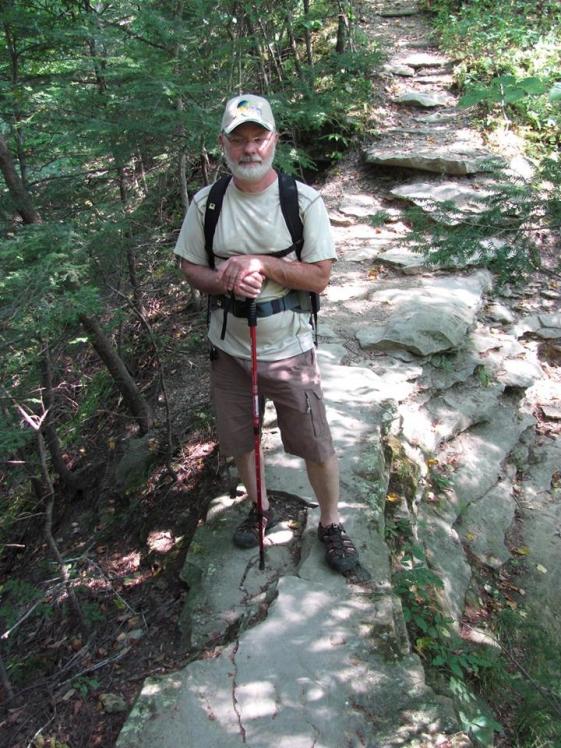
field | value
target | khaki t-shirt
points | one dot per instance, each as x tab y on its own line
252	223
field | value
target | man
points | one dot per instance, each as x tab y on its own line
250	228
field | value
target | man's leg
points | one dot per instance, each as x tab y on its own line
247	533
246	468
324	478
340	552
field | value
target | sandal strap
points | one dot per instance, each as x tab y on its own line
338	544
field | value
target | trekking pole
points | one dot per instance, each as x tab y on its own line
252	322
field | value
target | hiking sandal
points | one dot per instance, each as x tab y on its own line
247	533
340	552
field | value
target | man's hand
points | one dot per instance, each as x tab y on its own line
243	275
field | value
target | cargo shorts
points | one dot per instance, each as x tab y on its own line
293	384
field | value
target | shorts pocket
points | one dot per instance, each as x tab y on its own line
315	408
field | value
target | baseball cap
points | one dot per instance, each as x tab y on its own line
247	108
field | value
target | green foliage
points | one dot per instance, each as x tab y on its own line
93	614
555	93
85	685
380	218
504	89
435	640
483	375
17	596
509	57
439	480
475	717
418	586
535	692
12	436
98	393
502	236
21	601
519	675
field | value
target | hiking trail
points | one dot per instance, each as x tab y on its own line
296	656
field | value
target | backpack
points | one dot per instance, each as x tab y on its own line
301	301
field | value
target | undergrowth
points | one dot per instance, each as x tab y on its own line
504	681
507	71
518	40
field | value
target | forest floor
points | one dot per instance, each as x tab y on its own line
74	687
130	547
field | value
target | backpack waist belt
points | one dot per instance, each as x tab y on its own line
264	308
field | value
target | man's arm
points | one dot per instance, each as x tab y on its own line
301	276
209	281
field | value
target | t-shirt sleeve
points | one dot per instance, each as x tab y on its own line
318	238
190	243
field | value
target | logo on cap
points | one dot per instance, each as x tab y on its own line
246	107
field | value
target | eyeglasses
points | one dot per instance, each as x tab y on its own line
258	142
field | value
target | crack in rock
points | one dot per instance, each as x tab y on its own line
235	702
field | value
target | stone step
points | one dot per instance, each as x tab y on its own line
454	158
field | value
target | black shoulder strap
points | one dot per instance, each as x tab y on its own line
288	196
212	214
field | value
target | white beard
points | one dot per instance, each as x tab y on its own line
251	170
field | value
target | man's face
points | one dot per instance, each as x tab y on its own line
249	151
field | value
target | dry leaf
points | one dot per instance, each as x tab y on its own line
393	498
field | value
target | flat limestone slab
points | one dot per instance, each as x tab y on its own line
484	524
483	451
480	454
309	675
425	59
400	12
409	262
541	497
353	397
465	199
450	159
423	100
435	316
226	587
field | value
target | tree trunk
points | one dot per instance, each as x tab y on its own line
341	33
18	193
22	456
276	62
133	278
258	50
293	47
308	35
128	388
19	118
51	437
49	506
205	164
183	187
